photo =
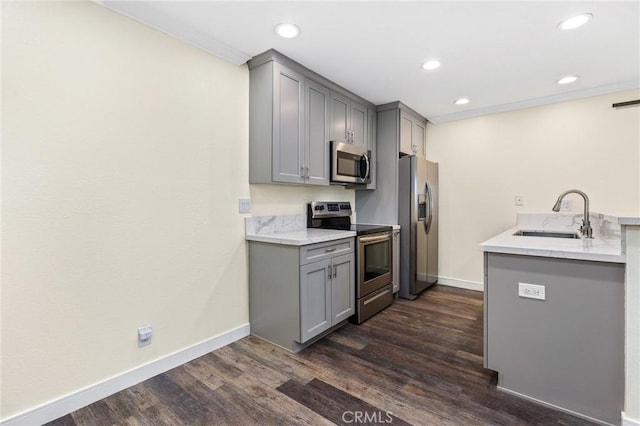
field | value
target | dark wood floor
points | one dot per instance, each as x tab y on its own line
418	362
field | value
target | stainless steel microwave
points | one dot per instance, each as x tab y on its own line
350	163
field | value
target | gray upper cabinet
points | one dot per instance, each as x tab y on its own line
288	144
288	125
294	113
412	132
348	119
316	136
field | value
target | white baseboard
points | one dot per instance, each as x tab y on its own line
83	397
454	282
628	421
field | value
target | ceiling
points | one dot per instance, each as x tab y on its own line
502	55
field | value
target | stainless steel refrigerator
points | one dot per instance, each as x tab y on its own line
418	218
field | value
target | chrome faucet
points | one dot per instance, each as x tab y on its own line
586	229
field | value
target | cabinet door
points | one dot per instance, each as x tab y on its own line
343	292
358	123
339	117
317	98
418	137
406	134
287	125
315	299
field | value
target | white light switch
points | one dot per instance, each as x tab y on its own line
244	205
519	200
532	291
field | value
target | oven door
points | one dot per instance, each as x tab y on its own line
374	262
349	163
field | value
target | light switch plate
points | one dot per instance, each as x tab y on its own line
532	291
519	200
244	205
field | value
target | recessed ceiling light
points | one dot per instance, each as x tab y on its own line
575	21
431	65
462	101
568	79
287	30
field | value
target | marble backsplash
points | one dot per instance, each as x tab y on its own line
605	227
258	225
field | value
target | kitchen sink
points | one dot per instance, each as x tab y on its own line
547	234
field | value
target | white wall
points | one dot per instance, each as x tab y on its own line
270	200
124	155
537	153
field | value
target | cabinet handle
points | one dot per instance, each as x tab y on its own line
329	272
306	175
302	172
335	271
329	250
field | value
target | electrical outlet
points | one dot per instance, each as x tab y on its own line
244	205
531	291
566	205
519	200
144	336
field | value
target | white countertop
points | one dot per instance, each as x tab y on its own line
301	237
606	246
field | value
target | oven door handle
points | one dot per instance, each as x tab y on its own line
374	239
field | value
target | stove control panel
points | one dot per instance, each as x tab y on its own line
319	209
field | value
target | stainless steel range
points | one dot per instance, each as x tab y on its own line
374	254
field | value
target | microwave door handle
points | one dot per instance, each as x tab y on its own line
366	174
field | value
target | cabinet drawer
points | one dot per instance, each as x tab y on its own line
321	251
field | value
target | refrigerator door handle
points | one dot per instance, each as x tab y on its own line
427	213
429	193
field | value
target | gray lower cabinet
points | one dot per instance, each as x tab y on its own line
566	350
297	294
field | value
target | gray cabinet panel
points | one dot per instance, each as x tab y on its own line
358	120
315	299
317	98
406	134
343	292
288	121
339	117
419	130
566	350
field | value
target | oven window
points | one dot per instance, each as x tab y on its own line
348	164
377	260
